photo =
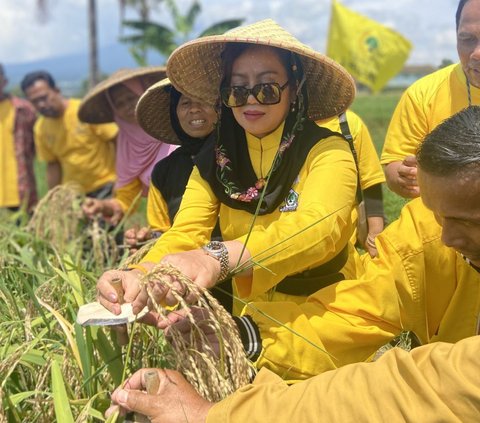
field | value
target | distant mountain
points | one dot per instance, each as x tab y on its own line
70	71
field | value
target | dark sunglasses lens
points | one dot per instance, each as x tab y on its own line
267	93
234	96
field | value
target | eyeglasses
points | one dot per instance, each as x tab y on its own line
267	93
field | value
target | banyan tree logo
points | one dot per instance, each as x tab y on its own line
372	44
369	43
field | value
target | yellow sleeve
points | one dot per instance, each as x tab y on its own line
318	229
435	382
157	210
105	131
407	127
128	194
193	223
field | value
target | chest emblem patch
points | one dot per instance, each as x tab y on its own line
291	202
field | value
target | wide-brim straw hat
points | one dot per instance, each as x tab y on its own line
95	107
153	112
196	68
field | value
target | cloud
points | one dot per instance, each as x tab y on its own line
23	38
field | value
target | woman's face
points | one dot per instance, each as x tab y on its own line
197	119
124	101
257	65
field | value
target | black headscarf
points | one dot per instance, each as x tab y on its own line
170	175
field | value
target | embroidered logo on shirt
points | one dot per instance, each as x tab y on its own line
291	202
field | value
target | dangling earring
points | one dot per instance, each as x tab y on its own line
293	106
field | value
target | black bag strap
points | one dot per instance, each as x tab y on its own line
342	117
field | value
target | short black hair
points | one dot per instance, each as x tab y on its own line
30	78
453	147
460	7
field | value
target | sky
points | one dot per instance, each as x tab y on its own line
428	24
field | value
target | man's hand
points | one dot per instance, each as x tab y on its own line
402	177
175	401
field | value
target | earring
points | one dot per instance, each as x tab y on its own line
292	106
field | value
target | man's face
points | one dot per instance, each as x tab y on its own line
46	100
455	202
468	41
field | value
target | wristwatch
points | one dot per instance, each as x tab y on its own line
217	250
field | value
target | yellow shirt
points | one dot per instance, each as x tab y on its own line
85	152
434	383
8	162
416	283
325	185
422	107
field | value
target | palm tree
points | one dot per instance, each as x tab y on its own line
164	40
142	6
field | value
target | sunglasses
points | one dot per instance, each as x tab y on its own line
267	93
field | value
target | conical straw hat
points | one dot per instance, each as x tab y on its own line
95	107
196	68
153	112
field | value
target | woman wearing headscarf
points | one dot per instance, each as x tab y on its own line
114	100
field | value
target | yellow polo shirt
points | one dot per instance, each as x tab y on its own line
8	161
424	105
85	152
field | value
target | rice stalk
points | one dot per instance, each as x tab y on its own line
214	376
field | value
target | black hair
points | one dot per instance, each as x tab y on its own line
30	78
2	71
453	147
460	7
290	60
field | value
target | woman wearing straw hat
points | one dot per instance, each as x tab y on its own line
167	115
282	186
114	99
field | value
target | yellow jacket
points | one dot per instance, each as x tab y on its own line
325	185
416	284
434	383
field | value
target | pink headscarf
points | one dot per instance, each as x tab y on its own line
137	152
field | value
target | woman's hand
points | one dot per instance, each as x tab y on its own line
134	236
109	209
200	333
132	290
174	401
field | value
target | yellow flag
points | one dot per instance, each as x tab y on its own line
370	51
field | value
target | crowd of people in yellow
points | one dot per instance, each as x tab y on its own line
246	149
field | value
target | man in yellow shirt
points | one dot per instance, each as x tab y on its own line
431	100
17	178
74	151
425	279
